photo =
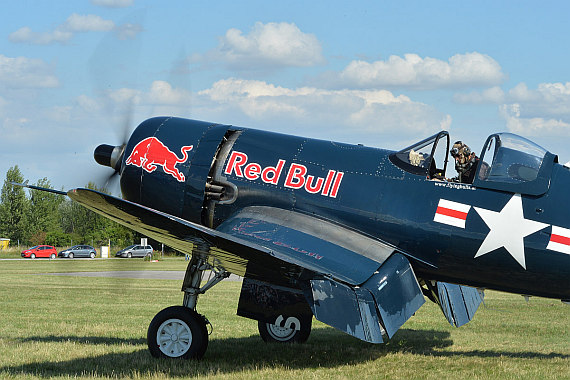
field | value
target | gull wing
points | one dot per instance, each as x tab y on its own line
352	282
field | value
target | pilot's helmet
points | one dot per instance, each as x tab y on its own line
460	150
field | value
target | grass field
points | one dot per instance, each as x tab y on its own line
70	327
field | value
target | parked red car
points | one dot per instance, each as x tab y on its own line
40	251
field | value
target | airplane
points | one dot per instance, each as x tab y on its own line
351	235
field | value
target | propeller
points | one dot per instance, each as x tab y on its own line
114	83
112	155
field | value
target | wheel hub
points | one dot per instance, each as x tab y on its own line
280	333
174	337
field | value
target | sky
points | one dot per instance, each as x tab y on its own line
76	74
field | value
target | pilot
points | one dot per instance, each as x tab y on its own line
465	162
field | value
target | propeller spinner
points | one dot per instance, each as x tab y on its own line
109	155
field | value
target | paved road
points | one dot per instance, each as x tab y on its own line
137	274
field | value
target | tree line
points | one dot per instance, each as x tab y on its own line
32	217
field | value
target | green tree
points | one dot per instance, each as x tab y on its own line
90	227
43	212
58	239
13	207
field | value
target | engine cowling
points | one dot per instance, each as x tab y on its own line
166	163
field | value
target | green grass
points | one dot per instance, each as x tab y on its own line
69	327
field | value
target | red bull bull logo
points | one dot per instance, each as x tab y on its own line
151	153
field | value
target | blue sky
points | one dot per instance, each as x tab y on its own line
382	73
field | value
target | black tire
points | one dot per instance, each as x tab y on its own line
272	333
71	255
32	256
92	255
52	256
129	255
177	332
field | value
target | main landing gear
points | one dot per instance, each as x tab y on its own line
179	331
292	330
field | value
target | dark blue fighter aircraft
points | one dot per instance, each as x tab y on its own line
352	235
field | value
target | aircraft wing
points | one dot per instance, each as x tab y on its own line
255	237
353	282
185	236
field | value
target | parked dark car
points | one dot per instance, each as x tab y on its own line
40	251
78	251
135	251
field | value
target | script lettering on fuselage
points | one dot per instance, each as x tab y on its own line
296	177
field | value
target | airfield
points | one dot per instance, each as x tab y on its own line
88	319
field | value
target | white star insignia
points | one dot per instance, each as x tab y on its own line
508	229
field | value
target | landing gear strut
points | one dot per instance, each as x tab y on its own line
179	331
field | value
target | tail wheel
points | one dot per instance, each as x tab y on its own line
292	330
178	332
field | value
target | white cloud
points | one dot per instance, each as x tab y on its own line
127	31
532	126
3	104
87	23
544	111
413	71
74	24
88	104
26	35
60	114
549	99
266	46
159	98
343	115
349	111
162	93
113	3
493	95
22	72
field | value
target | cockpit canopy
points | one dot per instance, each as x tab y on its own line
507	162
512	163
424	157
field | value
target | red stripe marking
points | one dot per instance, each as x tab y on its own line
450	212
559	239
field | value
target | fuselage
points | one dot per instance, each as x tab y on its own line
361	188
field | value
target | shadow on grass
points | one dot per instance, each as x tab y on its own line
83	340
326	348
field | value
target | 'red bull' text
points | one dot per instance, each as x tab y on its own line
297	176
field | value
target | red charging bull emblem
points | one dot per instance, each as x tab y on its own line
151	152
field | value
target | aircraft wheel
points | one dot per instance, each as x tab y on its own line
177	332
285	333
32	256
